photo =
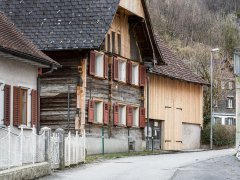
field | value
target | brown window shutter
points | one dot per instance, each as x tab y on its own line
92	63
106	113
142	75
34	108
7	104
106	66
129	72
16	106
142	118
115	114
91	105
129	116
115	69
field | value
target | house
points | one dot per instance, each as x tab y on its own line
225	106
105	48
175	103
19	63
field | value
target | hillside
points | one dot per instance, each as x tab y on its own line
193	27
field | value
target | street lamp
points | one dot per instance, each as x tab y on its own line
211	72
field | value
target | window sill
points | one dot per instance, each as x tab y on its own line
3	126
99	77
25	127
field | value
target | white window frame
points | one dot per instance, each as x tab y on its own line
223	84
98	111
135	116
230	102
99	64
135	74
122	115
122	70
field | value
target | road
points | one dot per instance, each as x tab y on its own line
206	165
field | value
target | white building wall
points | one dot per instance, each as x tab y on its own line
16	73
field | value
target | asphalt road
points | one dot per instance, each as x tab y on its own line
206	165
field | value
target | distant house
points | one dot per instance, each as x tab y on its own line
106	49
225	105
19	63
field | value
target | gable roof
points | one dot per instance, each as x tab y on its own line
175	67
13	42
62	24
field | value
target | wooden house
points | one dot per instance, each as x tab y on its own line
19	63
105	48
175	103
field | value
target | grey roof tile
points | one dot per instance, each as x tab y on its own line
55	19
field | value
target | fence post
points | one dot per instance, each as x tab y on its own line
60	135
69	148
21	145
84	145
47	134
76	147
9	147
34	144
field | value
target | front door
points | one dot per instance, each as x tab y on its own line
155	142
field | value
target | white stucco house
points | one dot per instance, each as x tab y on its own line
20	62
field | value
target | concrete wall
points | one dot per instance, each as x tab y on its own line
16	73
112	145
117	142
32	171
191	134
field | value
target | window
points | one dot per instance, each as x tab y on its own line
230	121
135	74
230	85
98	112
122	70
99	65
223	84
217	120
229	102
135	116
23	106
122	115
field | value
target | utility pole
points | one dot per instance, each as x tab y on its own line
237	75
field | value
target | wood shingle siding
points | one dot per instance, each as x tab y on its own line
54	95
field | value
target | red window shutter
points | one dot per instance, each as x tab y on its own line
142	75
115	69
129	116
106	113
34	108
106	67
16	106
142	121
129	72
115	113
92	63
7	104
91	105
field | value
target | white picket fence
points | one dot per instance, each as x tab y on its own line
73	147
20	149
30	148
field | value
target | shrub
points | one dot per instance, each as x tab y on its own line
222	135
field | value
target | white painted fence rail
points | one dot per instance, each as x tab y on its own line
22	148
